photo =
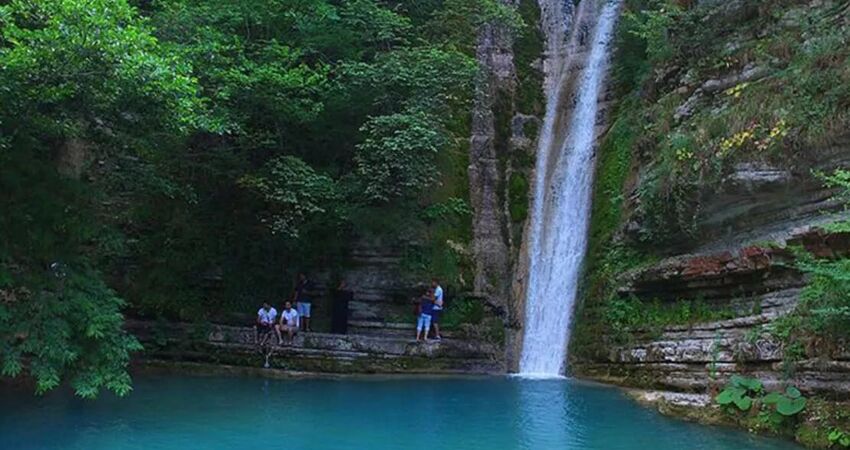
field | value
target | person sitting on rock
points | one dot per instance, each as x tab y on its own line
426	308
265	321
289	323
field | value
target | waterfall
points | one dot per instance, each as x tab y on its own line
578	53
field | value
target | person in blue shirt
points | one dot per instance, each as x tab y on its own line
438	307
426	309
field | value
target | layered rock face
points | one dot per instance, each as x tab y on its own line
712	203
759	202
313	352
757	285
502	145
494	91
382	293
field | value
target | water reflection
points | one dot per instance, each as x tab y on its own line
549	415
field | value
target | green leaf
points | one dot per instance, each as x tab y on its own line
737	380
790	407
743	403
772	398
724	398
752	384
793	392
730	395
11	366
775	418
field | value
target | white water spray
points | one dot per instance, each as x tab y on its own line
563	184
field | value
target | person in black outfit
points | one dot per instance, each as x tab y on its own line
339	318
303	301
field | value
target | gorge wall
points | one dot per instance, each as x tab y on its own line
716	226
726	244
753	285
506	115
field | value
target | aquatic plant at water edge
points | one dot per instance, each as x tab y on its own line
740	392
744	393
839	438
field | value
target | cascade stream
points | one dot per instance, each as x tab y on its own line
578	52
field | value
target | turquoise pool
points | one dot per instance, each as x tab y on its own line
176	412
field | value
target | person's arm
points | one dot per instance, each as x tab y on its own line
297	320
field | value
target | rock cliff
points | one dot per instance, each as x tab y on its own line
505	119
713	203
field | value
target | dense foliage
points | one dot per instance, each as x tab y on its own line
186	157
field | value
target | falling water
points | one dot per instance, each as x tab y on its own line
564	178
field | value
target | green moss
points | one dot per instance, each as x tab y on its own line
518	196
607	259
464	311
528	48
812	436
611	173
801	104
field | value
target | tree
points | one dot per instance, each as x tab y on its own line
87	72
294	193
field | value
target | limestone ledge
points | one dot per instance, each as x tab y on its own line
701	357
314	352
749	270
758	283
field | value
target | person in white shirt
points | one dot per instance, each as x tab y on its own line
265	321
289	323
438	307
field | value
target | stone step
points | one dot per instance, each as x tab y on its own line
378	331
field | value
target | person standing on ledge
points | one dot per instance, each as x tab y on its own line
438	307
303	303
339	316
426	308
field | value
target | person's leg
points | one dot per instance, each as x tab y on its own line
307	313
290	331
264	335
436	326
300	308
420	323
427	326
277	332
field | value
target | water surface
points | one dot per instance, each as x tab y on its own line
176	412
